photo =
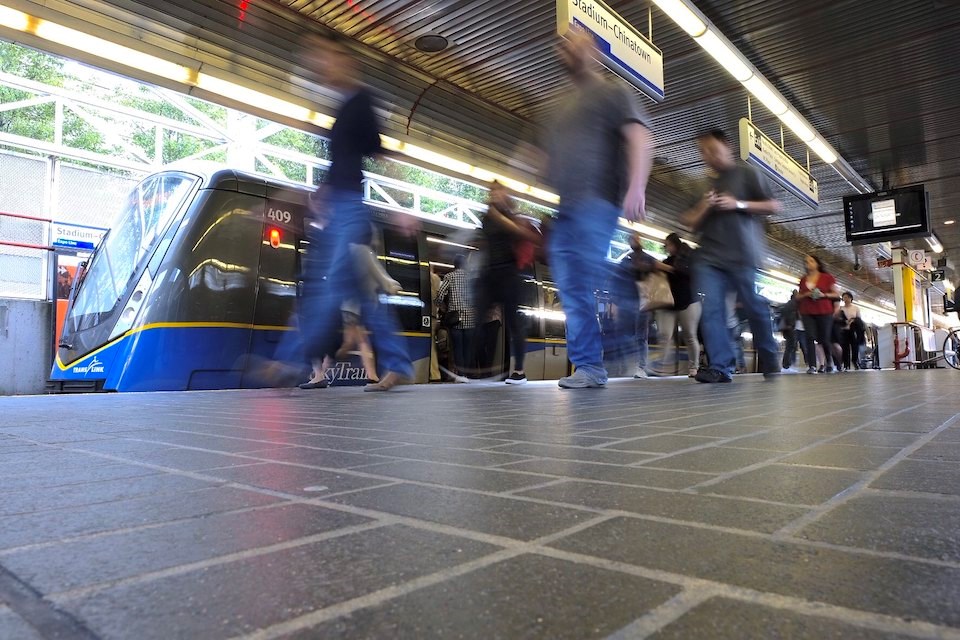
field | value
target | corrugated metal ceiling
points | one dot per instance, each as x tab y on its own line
878	79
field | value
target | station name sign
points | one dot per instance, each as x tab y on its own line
625	52
76	236
762	152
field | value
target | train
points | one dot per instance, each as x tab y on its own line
199	276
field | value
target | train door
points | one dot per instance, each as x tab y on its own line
282	246
405	261
555	363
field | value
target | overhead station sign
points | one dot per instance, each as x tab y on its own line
761	151
624	50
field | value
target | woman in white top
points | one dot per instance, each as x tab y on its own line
851	335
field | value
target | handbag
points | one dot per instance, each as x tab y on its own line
655	292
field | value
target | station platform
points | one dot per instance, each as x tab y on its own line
809	507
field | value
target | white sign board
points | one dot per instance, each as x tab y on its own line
624	50
76	236
916	257
762	152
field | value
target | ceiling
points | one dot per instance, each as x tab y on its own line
879	80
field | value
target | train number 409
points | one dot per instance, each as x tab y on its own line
279	215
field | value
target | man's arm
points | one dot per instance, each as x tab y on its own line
694	217
727	202
639	162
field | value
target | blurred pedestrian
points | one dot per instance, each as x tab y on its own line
456	297
599	148
500	282
355	136
789	314
818	294
686	308
729	220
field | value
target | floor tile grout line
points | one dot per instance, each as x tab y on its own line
777	459
390	593
744	436
498	540
151	576
83	537
795	604
791	529
668	612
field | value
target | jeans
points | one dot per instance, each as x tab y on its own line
578	247
330	278
462	350
689	319
632	331
715	283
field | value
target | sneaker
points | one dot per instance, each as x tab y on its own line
322	383
812	371
693	372
461	379
580	379
641	374
517	378
709	376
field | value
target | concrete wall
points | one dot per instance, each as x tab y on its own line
26	350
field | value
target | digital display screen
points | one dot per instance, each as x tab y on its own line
897	214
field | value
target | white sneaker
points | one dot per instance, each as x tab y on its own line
693	372
579	379
641	374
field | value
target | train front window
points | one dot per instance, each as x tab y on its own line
148	211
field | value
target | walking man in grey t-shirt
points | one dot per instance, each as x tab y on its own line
599	152
729	219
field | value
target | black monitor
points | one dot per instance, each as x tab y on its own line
897	214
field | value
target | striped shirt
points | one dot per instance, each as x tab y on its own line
457	285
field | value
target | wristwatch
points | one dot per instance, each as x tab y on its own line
741	204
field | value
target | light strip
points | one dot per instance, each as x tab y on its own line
705	33
796	124
934	243
156	66
437	240
683	16
728	58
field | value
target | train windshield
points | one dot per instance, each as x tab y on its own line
144	217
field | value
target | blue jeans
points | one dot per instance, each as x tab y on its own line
578	247
714	283
332	278
633	334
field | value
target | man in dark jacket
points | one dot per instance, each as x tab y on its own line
788	327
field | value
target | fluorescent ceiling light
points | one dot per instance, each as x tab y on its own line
796	124
253	98
449	243
949	222
14	19
767	96
823	150
680	13
728	58
934	243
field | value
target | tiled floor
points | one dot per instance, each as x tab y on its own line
810	507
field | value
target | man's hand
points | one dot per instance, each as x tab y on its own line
635	204
724	202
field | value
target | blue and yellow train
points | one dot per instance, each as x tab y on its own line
200	272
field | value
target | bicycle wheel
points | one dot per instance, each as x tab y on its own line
951	349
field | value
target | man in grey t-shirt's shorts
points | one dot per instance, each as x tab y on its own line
599	152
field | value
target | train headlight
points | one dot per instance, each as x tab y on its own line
132	309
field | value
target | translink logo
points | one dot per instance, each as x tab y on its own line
94	366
